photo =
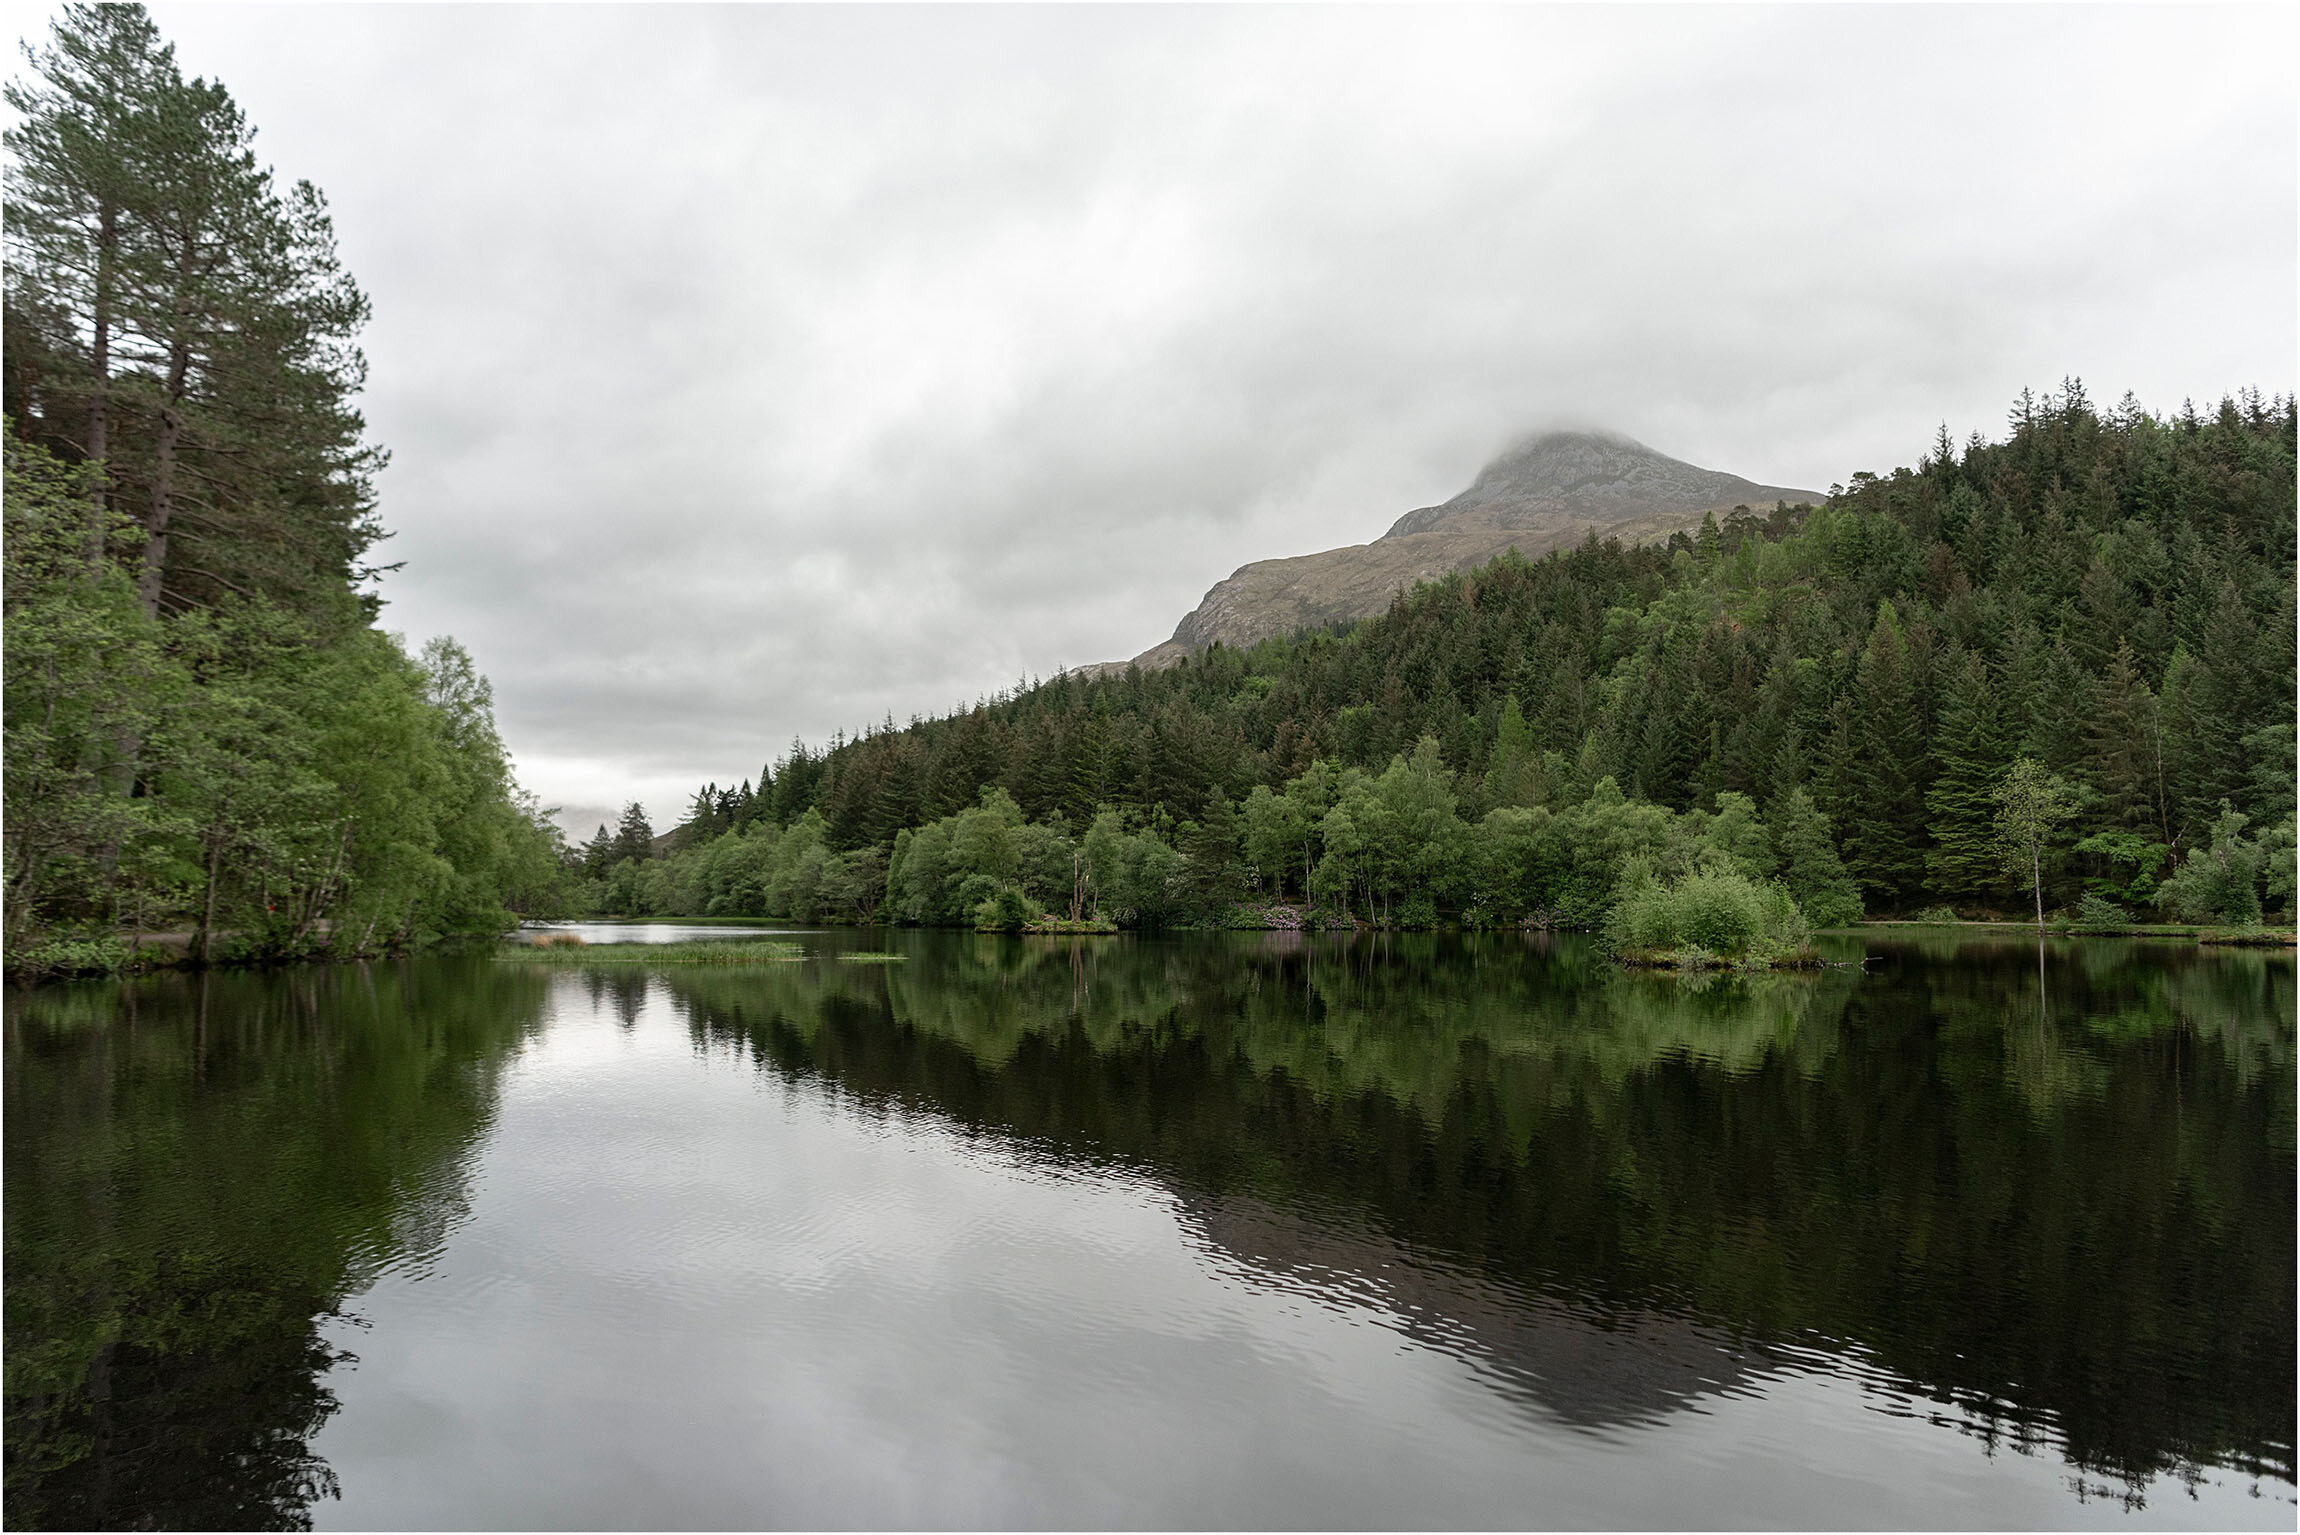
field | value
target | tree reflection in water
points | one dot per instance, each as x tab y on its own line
1627	1191
2052	1207
200	1170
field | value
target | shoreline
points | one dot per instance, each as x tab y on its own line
155	953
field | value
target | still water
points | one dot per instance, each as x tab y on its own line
1242	1230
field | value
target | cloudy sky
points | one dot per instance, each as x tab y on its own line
753	372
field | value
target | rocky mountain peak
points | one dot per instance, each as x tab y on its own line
1601	478
1546	490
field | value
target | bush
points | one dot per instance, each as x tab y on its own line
1725	915
67	957
2219	883
1643	918
1833	908
2097	913
1004	910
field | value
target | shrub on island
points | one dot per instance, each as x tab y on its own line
1710	918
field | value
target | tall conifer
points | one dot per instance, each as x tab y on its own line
1884	825
1960	807
2125	763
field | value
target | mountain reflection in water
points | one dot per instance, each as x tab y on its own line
2049	1208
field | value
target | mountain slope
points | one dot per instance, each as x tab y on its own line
1548	489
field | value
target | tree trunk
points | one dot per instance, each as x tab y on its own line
208	914
163	508
2036	867
99	444
2163	809
122	773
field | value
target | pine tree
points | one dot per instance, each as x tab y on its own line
2059	712
1884	803
1837	782
898	799
79	156
1211	844
1810	866
795	780
634	838
209	325
1089	786
2199	744
2125	763
2232	696
1514	776
1960	806
2020	674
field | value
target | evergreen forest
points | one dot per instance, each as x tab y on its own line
207	734
2096	613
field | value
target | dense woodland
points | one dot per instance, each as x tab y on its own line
1831	696
205	730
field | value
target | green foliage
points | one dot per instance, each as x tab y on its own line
181	318
1712	912
949	870
2132	862
202	730
1862	674
276	790
2097	913
1005	910
67	957
2032	806
2221	881
85	671
762	870
1810	866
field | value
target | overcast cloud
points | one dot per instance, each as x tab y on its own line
752	371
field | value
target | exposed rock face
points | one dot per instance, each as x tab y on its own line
1548	490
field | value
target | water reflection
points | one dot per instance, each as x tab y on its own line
199	1171
2049	1208
2071	1219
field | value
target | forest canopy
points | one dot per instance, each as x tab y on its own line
2107	594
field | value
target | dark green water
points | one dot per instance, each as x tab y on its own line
1228	1231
